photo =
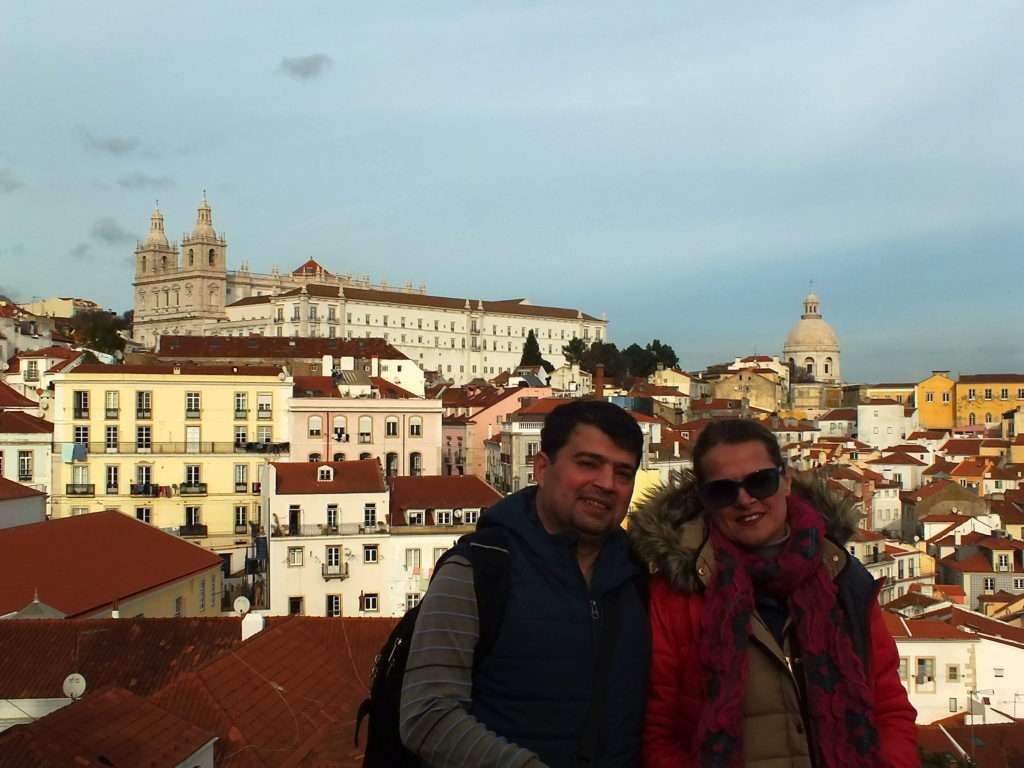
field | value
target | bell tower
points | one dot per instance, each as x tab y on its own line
156	275
204	266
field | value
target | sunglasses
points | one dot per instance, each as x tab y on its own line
724	493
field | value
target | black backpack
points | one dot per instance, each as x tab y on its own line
487	551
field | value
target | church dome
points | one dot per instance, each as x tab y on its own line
204	221
811	333
156	236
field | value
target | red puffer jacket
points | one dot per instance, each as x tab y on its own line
773	731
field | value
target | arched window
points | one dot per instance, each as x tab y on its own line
143	263
163	262
391	465
314	457
316	425
340	429
191	257
809	365
415	426
988	418
391	426
365	429
338	457
364	456
828	365
972	419
212	258
415	464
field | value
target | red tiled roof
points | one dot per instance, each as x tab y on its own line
62	353
938	518
64	363
112	727
1002	596
643	389
391	391
80	564
167	369
300	477
274	347
972	467
288	696
10	398
882	401
985	625
909	448
976	563
961	446
864	535
540	407
840	414
441	492
922	629
899	458
18	423
980	378
314	386
940	467
715	404
311	267
36	655
12	490
928	434
990	442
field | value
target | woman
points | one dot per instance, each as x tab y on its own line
769	648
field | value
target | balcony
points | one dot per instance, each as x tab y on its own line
192	413
241	413
147	490
241	487
278	319
144	413
111	413
241	530
365	437
81	413
264	413
195	529
340	437
192	489
31	376
337	571
113	490
256	488
172	447
80	489
320	529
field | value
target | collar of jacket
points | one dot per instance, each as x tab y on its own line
517	514
669	533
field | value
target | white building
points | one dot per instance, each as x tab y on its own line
25	447
881	423
900	468
190	290
338	547
812	347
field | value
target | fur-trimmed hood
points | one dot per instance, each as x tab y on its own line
668	530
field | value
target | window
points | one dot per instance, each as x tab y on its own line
443	517
904	666
179	607
191	405
990	584
1003	559
925	675
412	599
315	426
296	316
241	435
192	516
1018	582
110	438
143	514
333	607
264	434
972	419
365	429
143	438
295	606
111	401
369	553
952	704
952	673
1004	393
368	602
24	466
241	516
414	517
264	405
929	397
191	474
945	397
370	515
241	478
332	515
241	405
470	516
82	435
391	426
988	418
971	393
998	672
112	474
81	400
295	557
32	371
324	474
415	464
390	464
415	426
988	393
143	474
340	429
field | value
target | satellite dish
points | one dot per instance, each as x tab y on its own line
74	686
241	605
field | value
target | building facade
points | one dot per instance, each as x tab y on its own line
981	399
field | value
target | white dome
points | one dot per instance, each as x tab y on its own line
811	333
156	234
204	222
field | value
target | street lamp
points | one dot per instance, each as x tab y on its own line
974	692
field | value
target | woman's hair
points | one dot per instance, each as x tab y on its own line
731	432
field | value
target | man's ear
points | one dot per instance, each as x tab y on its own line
540	464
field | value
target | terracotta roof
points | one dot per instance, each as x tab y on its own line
65	363
909	599
996	745
940	467
971	467
287	696
18	423
959	617
1002	596
138	654
959	446
103	729
909	448
864	535
990	442
10	398
981	378
643	389
976	563
274	347
938	518
441	492
840	414
1009	472
952	590
300	477
883	401
391	391
541	407
715	404
80	564
311	267
62	353
314	386
643	418
12	490
898	459
922	629
928	434
167	369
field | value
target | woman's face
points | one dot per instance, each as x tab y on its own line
748	522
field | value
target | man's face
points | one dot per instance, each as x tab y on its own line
587	487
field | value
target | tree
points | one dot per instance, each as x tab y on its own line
639	361
575	351
663	354
532	355
97	330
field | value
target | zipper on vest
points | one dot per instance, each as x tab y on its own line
595	614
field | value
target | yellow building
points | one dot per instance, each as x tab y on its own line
981	399
180	447
936	405
901	393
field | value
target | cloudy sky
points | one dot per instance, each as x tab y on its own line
687	168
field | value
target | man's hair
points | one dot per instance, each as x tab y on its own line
732	432
618	425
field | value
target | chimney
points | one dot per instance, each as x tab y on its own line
957	538
252	624
375	366
115	612
326	365
675	448
599	381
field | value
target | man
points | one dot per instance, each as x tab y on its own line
575	612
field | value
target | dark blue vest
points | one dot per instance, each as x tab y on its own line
535	686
